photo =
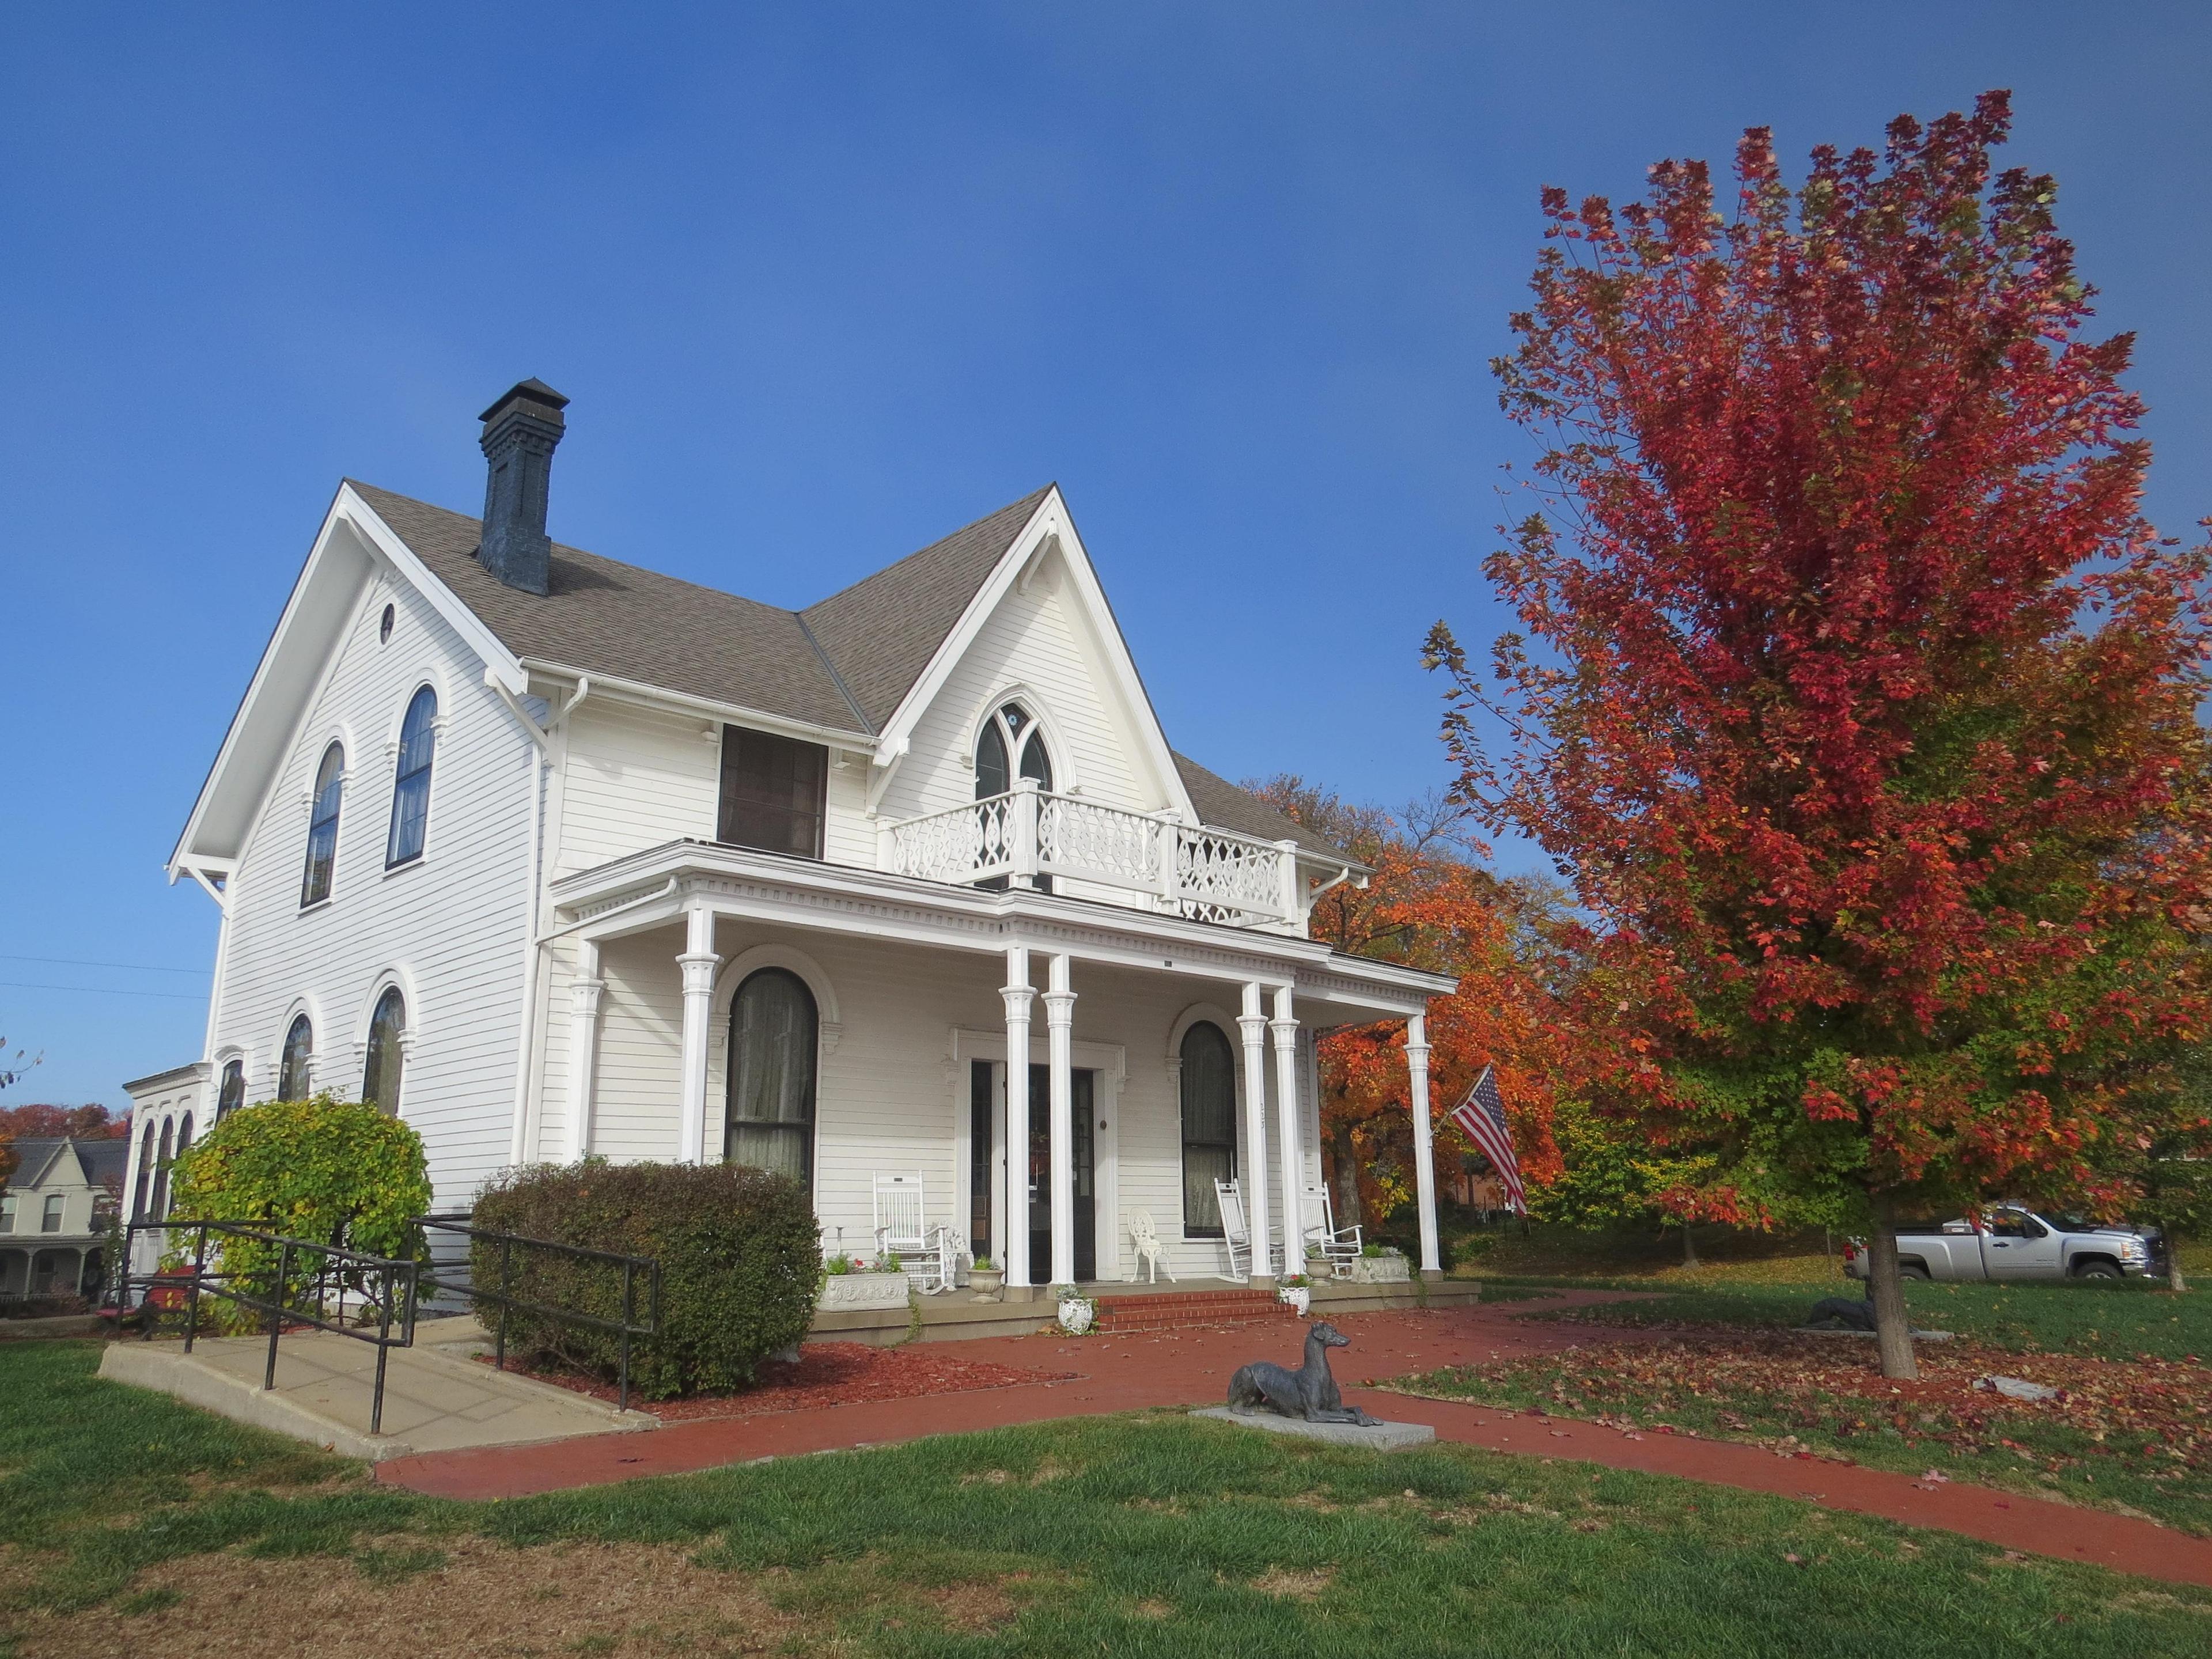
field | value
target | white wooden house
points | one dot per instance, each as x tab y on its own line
555	856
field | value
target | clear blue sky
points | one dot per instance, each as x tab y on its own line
826	280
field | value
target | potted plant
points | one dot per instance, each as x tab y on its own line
1297	1290
1078	1312
986	1279
852	1281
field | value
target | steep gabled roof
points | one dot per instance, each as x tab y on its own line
606	617
883	630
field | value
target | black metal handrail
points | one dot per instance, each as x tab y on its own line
633	1267
397	1283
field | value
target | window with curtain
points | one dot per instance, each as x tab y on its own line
773	1024
379	1079
142	1193
51	1222
411	787
323	828
294	1070
232	1094
1209	1125
772	792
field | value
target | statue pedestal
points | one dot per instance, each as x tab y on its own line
1376	1436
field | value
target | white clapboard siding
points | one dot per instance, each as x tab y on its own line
450	925
635	778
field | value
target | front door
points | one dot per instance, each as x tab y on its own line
1084	1092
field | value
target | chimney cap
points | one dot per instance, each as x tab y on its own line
532	390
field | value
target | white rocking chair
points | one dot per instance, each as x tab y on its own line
1339	1247
926	1253
1145	1238
1235	1237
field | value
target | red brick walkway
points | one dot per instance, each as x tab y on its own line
1177	1368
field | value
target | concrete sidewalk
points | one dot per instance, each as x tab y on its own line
437	1398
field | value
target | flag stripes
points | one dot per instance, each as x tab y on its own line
1482	1114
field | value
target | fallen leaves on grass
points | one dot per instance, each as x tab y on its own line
827	1374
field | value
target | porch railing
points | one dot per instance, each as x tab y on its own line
1212	875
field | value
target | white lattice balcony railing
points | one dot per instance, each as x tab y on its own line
1213	875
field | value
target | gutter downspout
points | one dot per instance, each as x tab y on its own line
534	760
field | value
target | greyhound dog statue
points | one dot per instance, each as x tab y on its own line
1309	1392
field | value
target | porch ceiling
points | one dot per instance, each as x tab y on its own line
652	889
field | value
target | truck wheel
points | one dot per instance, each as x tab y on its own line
1912	1270
2098	1270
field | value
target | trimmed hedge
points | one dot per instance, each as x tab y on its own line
740	1257
328	1170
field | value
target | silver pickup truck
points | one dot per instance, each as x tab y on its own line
2009	1242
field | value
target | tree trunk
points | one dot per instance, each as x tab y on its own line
1689	1247
1886	1288
1348	1214
2174	1281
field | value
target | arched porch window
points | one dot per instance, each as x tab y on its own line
1209	1125
773	1031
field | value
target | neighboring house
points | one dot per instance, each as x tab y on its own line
54	1216
555	856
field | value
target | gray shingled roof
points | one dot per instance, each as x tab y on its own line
845	662
102	1162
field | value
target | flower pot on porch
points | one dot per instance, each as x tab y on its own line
986	1281
846	1291
1076	1314
1297	1297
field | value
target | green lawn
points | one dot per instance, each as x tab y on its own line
1150	1534
2113	1319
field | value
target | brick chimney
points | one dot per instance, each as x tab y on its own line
519	434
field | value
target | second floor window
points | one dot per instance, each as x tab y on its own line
7	1212
323	828
52	1221
411	785
232	1095
772	792
293	1071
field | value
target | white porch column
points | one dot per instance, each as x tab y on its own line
1059	1032
1424	1154
699	962
1254	1025
1284	1030
1018	994
584	992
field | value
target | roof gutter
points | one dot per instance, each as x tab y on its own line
659	697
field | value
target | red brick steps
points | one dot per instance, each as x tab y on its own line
1178	1313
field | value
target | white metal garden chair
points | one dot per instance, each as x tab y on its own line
1235	1237
1339	1247
902	1230
1145	1240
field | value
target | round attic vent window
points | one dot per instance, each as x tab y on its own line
384	627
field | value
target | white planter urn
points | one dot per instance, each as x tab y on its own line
1382	1270
1299	1297
1076	1314
841	1291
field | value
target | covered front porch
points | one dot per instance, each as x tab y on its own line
1064	1077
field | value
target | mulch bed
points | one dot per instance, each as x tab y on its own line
827	1374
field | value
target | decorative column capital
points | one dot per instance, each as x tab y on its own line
1255	1028
1018	998
584	995
1059	1007
1417	1054
1285	1033
699	967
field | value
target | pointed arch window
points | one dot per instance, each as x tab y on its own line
161	1170
773	1030
323	828
1011	745
1209	1125
387	1056
294	1071
411	786
232	1095
142	1193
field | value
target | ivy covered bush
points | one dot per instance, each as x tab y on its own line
328	1170
740	1260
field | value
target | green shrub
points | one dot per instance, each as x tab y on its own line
740	1258
327	1170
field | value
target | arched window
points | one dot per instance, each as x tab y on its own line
143	1192
294	1072
323	828
232	1095
1010	746
411	787
379	1079
162	1172
1209	1125
772	1048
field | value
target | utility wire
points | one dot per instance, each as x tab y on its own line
101	991
75	962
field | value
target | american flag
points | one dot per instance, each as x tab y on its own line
1482	1114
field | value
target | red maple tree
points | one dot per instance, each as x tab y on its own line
37	1122
1857	698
